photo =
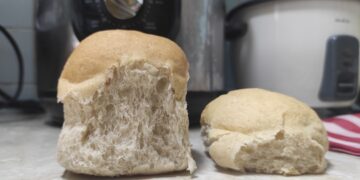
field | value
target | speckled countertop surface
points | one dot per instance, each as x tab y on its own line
28	144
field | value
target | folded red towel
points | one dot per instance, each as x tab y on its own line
344	133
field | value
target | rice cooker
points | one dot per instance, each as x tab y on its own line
305	49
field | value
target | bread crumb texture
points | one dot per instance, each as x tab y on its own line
255	130
130	121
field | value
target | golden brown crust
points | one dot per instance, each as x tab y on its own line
100	51
252	110
248	118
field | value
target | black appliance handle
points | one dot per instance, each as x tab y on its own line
234	30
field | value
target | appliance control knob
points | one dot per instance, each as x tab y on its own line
123	9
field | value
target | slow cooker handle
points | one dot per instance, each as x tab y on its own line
234	30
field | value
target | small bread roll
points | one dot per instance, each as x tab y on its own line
254	130
124	106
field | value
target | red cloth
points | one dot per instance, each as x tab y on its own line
344	133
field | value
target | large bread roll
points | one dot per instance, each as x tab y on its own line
254	130
124	104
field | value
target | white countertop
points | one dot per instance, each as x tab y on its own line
28	146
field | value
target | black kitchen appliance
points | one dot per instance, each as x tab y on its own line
159	17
